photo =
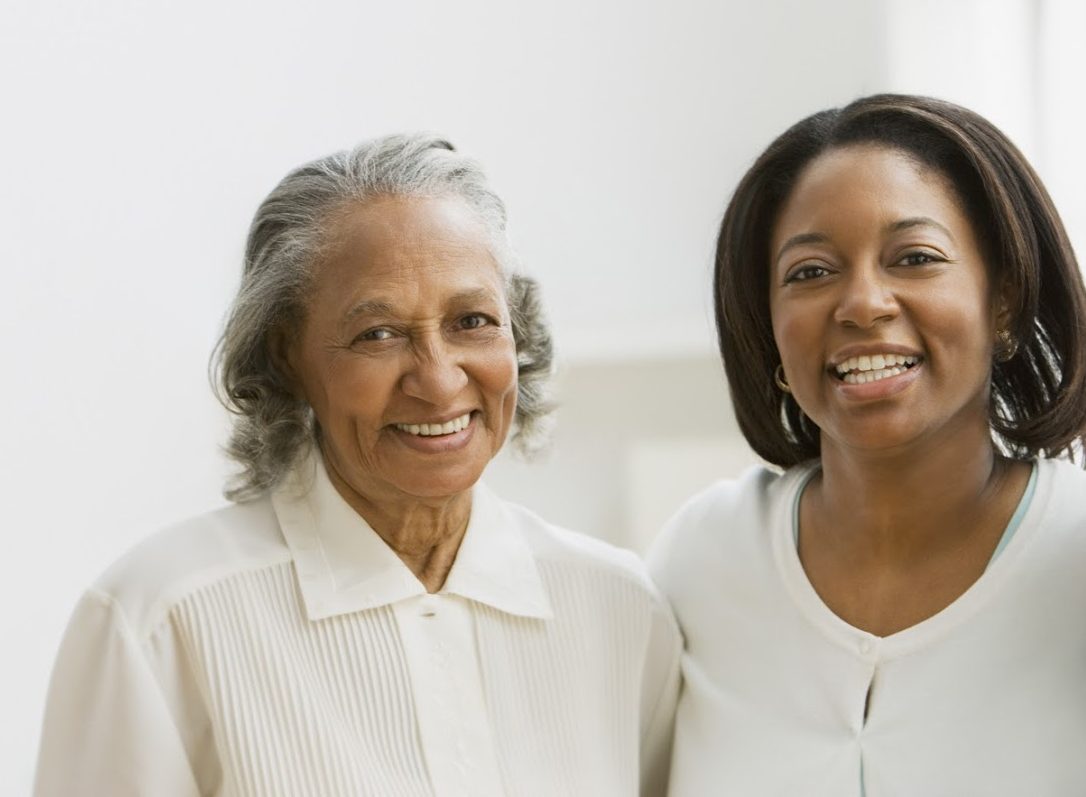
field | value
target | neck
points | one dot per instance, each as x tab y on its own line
904	505
425	535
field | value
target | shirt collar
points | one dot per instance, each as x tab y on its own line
344	566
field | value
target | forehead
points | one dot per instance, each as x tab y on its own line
866	183
405	238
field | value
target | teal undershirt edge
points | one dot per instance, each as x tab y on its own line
1012	527
1019	513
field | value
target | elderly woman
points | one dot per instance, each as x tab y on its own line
367	619
903	327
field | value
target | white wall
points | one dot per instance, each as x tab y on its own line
139	136
1018	62
1061	65
979	53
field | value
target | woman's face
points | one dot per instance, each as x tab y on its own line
881	302
406	354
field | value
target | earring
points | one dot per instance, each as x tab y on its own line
1006	346
778	377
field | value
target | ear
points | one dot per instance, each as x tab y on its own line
282	350
1005	304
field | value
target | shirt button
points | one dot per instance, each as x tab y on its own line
866	646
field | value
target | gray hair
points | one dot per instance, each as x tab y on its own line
272	426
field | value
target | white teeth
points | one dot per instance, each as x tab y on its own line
433	429
874	364
862	377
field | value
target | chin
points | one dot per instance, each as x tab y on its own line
429	486
884	438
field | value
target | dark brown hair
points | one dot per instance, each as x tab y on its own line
1038	398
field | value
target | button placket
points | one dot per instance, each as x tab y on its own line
439	640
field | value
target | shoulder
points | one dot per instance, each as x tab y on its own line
1066	478
147	581
1060	488
723	526
598	586
570	552
1059	502
726	504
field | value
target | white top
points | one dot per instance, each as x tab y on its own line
280	648
987	697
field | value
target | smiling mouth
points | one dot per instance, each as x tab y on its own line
436	429
872	368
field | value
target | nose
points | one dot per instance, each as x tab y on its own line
434	374
866	299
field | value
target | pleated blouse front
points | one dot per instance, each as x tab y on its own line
281	648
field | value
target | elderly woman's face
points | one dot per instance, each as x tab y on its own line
406	354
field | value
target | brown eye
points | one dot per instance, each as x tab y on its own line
807	272
919	259
474	321
375	334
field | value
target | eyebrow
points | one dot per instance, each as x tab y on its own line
919	221
369	307
475	295
799	240
378	307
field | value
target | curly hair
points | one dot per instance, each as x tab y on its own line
1037	404
271	425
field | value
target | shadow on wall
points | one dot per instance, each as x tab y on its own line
633	440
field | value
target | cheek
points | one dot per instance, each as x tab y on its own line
790	331
498	380
961	324
503	374
354	393
496	367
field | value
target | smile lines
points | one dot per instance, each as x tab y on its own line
433	429
871	368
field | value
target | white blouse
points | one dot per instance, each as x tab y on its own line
279	647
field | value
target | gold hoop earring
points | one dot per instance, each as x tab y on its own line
778	378
1006	347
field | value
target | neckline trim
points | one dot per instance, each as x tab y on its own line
784	526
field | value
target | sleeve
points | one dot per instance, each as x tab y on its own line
107	726
659	697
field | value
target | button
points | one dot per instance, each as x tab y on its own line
427	606
866	646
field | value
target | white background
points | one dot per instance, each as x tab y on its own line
138	137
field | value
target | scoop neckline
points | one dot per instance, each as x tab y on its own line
928	630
